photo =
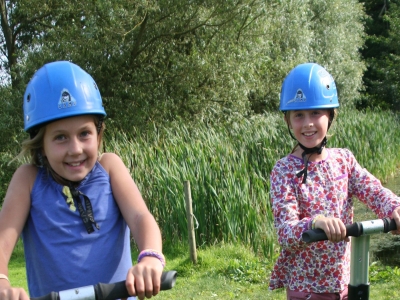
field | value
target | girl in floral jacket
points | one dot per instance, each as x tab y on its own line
313	187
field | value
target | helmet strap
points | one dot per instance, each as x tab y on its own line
86	213
310	151
306	158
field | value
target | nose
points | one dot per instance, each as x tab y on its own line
308	122
75	146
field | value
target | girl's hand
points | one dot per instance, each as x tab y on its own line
334	228
144	279
9	293
396	217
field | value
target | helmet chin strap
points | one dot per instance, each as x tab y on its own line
307	151
73	197
306	158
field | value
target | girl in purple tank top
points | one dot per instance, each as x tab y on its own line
74	207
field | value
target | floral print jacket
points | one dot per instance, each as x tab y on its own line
320	267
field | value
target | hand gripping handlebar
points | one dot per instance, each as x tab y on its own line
105	291
356	229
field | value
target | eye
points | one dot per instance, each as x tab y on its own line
298	115
85	133
60	137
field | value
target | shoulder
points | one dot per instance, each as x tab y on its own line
287	165
26	173
111	161
289	161
342	153
22	182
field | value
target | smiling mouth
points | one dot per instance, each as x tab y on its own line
75	164
309	133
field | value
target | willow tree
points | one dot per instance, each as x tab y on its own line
210	61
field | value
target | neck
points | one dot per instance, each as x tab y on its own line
314	157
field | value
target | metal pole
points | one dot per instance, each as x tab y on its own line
359	285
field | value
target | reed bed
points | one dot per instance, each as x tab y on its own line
373	137
228	169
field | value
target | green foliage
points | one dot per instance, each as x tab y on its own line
380	273
199	61
338	25
372	136
228	169
10	135
382	56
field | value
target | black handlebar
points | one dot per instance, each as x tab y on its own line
105	291
356	229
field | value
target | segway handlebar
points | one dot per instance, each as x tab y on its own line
356	229
105	291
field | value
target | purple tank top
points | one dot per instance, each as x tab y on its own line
59	252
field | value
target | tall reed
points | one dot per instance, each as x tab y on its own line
228	169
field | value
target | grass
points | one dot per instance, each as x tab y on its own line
226	271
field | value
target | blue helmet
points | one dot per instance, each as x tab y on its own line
59	90
308	86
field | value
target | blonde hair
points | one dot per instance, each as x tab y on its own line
32	147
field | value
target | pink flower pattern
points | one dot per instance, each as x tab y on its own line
321	267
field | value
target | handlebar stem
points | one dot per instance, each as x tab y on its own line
86	292
359	270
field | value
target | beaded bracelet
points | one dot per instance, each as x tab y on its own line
2	276
315	220
153	253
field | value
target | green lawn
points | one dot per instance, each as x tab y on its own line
226	272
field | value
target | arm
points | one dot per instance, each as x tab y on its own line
369	190
13	216
288	225
144	277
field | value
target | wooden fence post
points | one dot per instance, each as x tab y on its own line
189	217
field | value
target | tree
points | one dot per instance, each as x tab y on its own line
382	56
209	61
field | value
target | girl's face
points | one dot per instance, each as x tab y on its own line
71	146
309	126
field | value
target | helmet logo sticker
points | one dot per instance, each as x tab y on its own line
299	97
66	100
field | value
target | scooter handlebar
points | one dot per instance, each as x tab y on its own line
356	229
105	291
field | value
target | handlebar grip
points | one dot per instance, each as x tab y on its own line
168	280
111	291
356	229
50	296
116	290
314	235
389	224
